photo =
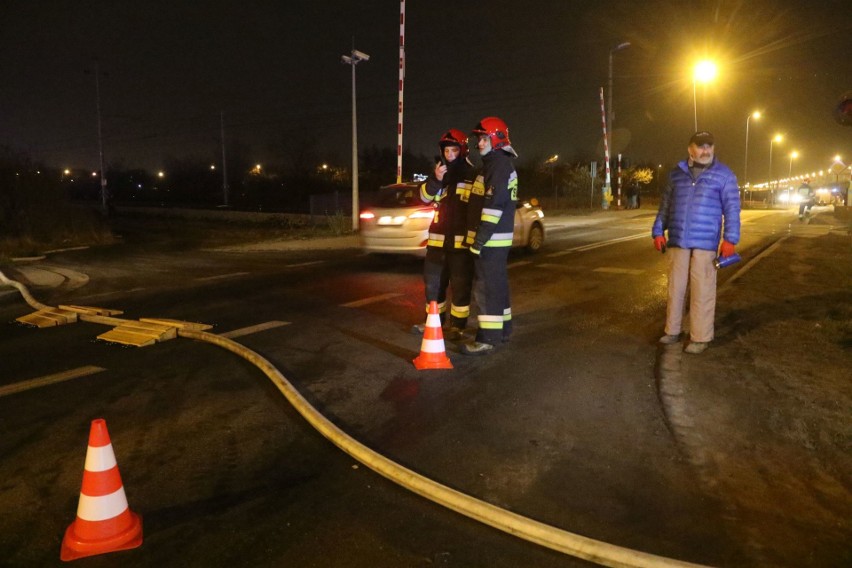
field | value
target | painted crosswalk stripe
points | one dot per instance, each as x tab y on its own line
254	329
371	300
50	379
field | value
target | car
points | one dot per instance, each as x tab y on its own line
398	222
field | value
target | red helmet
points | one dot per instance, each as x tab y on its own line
496	130
455	137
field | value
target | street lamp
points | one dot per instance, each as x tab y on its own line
705	71
609	113
793	155
755	115
550	162
776	138
354	58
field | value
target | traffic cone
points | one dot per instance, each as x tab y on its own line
432	352
104	521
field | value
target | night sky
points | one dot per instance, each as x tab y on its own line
168	68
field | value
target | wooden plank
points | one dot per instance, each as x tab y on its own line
91	310
178	323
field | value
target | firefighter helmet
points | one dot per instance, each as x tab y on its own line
496	130
455	137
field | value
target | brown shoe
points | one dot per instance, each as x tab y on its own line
695	347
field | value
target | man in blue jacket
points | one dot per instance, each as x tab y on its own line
699	205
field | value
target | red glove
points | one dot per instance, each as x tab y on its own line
727	249
660	243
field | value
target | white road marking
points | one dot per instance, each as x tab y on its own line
50	379
615	270
221	276
371	300
519	263
601	244
301	264
254	329
101	295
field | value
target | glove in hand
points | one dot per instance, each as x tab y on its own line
660	243
727	249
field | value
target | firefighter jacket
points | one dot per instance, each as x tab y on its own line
450	196
492	202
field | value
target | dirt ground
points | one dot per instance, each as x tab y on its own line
766	413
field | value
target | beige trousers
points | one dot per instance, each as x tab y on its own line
692	270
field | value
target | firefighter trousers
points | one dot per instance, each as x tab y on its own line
452	268
492	295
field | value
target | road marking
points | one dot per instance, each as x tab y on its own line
102	294
614	270
254	329
582	248
221	276
371	300
519	263
50	379
301	264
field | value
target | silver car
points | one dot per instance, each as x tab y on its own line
399	222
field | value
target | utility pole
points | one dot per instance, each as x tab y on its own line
224	160
100	139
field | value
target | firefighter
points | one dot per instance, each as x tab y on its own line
493	198
447	258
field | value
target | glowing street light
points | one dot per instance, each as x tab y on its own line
705	71
161	174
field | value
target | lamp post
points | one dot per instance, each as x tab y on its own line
776	138
755	115
705	71
609	113
793	155
354	58
550	162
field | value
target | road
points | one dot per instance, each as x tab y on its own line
564	425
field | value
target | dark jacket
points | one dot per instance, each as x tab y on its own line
450	224
493	198
694	211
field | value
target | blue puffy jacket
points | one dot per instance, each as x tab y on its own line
692	210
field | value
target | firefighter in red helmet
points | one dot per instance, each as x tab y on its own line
493	198
447	260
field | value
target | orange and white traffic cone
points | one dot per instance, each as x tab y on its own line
104	521
432	352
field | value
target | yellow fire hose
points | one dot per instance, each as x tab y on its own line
596	551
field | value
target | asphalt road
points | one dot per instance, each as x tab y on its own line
564	425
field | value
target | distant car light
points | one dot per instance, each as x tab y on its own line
367	215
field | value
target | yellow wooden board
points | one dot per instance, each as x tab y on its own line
49	317
139	333
91	310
